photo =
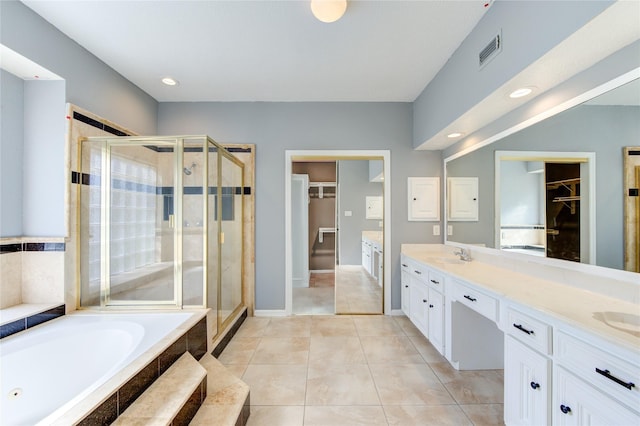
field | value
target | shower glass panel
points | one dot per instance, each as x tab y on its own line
141	179
127	238
213	250
194	181
229	212
158	215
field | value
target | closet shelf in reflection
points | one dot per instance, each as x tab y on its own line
322	231
322	189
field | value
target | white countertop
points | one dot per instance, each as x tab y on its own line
569	304
373	236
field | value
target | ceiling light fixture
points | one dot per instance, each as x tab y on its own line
328	10
454	135
521	92
170	81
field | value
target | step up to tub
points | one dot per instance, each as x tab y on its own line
227	401
173	399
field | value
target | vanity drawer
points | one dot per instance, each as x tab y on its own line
612	375
533	332
436	280
481	303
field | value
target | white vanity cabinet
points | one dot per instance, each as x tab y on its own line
372	255
560	368
423	300
366	255
527	370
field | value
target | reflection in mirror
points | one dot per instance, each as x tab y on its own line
603	126
543	204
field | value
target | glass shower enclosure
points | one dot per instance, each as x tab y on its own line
161	222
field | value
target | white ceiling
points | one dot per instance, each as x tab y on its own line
269	50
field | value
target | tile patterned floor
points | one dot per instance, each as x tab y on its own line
355	370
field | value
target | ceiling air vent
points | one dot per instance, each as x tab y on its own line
491	50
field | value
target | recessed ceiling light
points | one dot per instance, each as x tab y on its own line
170	81
454	135
521	92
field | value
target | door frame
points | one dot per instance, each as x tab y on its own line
335	155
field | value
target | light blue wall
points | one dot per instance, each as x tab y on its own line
11	152
90	83
520	194
276	127
44	175
353	177
529	30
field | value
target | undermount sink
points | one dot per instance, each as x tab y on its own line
629	323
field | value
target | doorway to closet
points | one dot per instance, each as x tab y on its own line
329	196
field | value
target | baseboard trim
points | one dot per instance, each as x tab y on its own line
270	313
396	312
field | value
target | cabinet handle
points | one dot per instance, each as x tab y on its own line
424	300
473	299
534	385
607	374
418	272
405	265
565	409
521	328
431	306
435	282
406	286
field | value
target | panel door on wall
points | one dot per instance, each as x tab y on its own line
462	193
424	198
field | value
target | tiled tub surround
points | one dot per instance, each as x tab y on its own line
569	321
31	270
21	317
163	338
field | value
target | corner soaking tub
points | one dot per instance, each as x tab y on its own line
48	369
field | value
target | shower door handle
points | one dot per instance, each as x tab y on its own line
172	221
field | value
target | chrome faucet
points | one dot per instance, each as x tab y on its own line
464	254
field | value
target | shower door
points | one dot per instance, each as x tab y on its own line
130	196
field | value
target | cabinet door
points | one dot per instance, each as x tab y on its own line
526	385
578	403
424	198
406	294
419	305
462	193
366	256
436	320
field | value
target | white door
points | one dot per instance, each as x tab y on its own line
300	230
436	320
419	305
578	403
526	385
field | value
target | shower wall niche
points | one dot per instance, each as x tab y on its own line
160	224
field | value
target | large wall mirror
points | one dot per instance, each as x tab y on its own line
563	187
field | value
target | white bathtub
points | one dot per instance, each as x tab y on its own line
50	368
